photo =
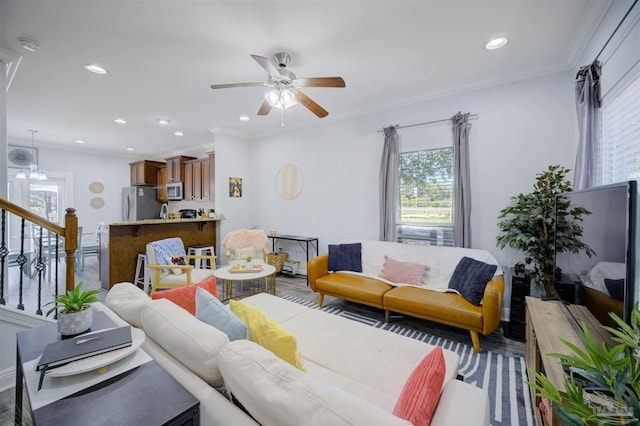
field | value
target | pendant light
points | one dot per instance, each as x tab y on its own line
34	174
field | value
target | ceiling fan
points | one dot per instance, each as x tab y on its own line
286	86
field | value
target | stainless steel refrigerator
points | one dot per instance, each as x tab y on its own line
140	202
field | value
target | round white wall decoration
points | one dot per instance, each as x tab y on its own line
289	182
96	187
97	202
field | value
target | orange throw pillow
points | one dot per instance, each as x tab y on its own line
421	392
185	297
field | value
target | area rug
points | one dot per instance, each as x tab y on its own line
503	377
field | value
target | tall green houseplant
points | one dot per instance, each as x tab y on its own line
530	222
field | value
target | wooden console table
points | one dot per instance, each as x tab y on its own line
548	323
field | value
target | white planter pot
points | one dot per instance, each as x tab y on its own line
76	322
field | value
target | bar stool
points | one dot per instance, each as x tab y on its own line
141	276
201	250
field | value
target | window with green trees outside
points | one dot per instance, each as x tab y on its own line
426	197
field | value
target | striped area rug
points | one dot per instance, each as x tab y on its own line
503	377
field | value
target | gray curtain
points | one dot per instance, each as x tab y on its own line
462	183
389	185
587	173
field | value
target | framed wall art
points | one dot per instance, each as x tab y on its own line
235	187
20	157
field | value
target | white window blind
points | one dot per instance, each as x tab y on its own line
621	136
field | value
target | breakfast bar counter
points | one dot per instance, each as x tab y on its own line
121	244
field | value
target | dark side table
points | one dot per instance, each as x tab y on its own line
143	395
307	241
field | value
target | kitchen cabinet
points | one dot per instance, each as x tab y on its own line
176	166
162	184
197	179
144	172
210	179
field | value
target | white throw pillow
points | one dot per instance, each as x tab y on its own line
189	340
276	393
127	300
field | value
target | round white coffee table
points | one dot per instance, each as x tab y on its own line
260	281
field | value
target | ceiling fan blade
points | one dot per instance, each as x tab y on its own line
226	86
310	104
264	108
321	82
267	65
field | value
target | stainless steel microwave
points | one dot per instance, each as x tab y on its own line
175	190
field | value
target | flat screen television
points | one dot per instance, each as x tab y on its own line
606	281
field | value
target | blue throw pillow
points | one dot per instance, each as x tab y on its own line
470	279
615	287
345	257
211	311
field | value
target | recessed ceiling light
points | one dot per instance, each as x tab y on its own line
80	141
130	149
28	44
178	133
163	121
244	118
120	121
96	69
496	43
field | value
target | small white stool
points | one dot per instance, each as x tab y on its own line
141	273
202	250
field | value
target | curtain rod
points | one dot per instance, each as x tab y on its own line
397	126
615	31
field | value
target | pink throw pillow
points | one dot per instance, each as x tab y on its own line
403	272
421	392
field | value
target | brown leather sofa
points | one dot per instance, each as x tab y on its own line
445	308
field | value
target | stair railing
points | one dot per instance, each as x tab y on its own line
68	232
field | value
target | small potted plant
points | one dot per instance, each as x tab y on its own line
247	263
75	315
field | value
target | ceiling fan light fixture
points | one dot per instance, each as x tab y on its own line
281	98
21	175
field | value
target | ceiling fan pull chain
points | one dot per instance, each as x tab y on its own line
282	119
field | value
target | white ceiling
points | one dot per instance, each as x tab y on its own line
162	56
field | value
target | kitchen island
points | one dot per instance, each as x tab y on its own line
121	244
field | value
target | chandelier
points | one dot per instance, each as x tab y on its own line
34	174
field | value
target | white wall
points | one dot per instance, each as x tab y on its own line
232	160
112	171
522	128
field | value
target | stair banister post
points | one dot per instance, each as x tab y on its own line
70	245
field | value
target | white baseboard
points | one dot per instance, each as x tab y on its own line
7	379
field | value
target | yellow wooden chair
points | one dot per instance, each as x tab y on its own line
166	275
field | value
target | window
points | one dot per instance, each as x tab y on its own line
621	136
426	197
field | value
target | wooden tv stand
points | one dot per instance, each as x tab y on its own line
548	323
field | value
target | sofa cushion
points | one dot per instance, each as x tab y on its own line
345	257
185	296
268	333
210	310
470	278
127	300
421	392
403	272
192	342
356	288
275	393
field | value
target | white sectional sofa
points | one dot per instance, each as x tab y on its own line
340	355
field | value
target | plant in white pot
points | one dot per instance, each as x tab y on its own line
75	315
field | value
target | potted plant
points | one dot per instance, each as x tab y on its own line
607	388
76	315
247	263
534	224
